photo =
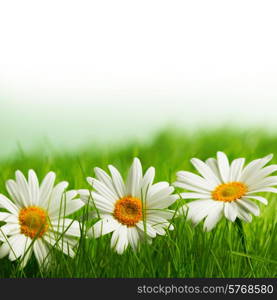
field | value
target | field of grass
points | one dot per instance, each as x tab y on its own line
185	252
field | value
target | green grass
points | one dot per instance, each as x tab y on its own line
185	252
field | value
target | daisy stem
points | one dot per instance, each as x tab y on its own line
241	234
243	241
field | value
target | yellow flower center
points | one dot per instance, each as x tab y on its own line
128	211
33	221
229	192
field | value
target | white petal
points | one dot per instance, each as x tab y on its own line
12	189
213	217
46	188
167	202
67	207
33	188
41	251
197	213
161	202
102	204
146	228
90	180
243	214
57	194
193	196
192	208
10	229
190	187
254	166
259	198
250	206
158	224
236	169
135	179
195	180
103	190
62	244
71	194
264	189
163	189
84	195
8	205
3	237
266	182
67	227
258	175
212	163
118	182
205	171
119	239
115	237
4	250
230	211
155	188
155	219
147	182
8	218
106	225
133	237
25	258
162	193
19	244
102	176
223	166
159	229
23	188
165	214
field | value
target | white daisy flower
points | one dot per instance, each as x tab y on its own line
132	211
35	220
225	189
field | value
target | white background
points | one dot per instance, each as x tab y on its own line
76	71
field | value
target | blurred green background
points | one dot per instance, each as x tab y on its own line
74	73
71	125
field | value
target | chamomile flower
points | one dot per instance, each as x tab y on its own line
132	211
225	189
35	219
